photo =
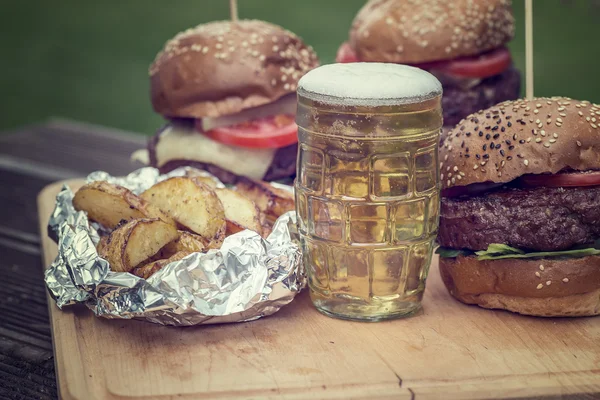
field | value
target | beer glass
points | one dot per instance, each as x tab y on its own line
367	186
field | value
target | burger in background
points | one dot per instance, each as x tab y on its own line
228	91
520	212
461	42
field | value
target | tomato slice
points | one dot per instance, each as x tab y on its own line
565	179
346	54
480	66
270	132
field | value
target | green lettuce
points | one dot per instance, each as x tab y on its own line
497	251
446	252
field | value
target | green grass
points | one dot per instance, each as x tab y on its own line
88	60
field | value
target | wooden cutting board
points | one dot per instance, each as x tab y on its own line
448	350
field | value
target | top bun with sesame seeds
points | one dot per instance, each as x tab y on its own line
461	42
515	138
224	67
418	31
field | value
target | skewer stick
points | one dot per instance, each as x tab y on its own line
233	10
529	48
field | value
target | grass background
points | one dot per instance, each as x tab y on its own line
88	60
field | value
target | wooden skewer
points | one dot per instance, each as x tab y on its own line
233	10
529	48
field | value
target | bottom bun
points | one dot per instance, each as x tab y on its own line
567	287
577	305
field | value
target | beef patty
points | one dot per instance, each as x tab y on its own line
541	219
459	101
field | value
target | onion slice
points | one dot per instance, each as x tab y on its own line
473	189
284	105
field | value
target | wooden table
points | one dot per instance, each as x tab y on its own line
31	158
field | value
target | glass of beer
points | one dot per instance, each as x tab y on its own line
367	186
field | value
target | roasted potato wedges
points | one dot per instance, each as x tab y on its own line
267	226
136	241
186	242
146	270
207	181
266	230
240	212
102	243
192	204
109	205
271	200
203	177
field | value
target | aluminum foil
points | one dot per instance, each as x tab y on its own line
247	278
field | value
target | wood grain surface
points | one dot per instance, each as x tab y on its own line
32	157
448	350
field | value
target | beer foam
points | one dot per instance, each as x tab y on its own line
369	84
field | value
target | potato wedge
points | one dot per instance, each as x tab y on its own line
269	199
267	226
136	241
186	242
110	204
191	203
203	177
146	270
207	181
216	242
240	212
102	243
266	230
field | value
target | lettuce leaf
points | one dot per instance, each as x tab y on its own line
497	251
497	248
446	252
544	254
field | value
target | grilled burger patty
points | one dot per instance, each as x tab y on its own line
537	219
459	101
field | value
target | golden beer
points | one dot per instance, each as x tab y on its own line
367	186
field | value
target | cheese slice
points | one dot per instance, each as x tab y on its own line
183	143
141	155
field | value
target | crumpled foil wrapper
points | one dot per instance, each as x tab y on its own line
247	278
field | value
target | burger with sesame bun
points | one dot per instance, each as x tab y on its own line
520	211
461	42
228	91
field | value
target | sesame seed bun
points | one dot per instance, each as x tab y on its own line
410	31
543	135
567	287
225	67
